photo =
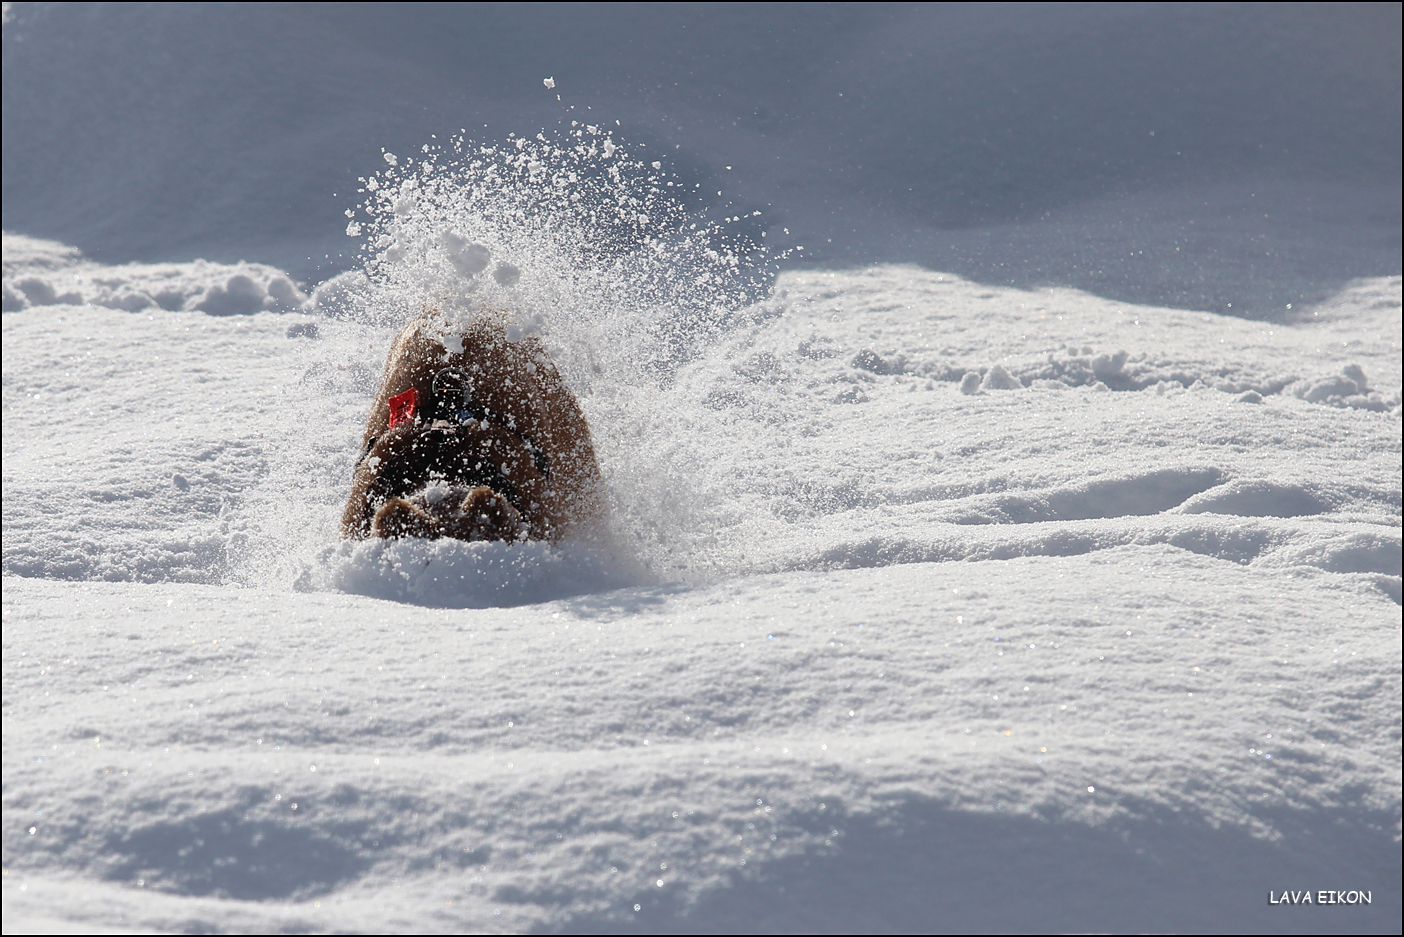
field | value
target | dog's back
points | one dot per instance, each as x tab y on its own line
461	410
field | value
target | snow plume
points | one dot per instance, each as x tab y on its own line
580	231
589	243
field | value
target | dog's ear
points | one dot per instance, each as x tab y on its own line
398	518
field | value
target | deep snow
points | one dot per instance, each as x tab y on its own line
1116	650
1000	409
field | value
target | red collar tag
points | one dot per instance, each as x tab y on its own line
402	407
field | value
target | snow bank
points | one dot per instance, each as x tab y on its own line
454	574
46	273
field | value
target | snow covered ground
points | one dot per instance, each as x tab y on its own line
1000	407
1103	637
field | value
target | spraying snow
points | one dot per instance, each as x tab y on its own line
916	587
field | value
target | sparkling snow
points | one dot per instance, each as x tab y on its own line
896	651
934	597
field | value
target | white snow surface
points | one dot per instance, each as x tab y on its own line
46	273
929	606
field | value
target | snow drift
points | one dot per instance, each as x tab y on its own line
1121	627
931	601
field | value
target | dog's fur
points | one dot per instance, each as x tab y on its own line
514	462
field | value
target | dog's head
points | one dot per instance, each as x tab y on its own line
464	409
412	457
448	444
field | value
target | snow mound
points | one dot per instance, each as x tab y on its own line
23	253
345	296
454	574
43	273
1258	498
1347	388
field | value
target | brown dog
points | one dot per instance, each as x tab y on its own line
474	437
